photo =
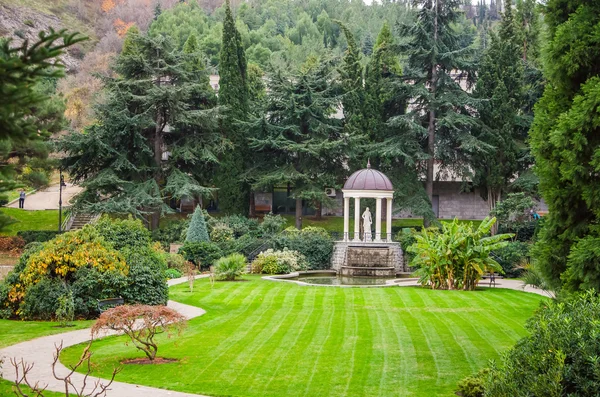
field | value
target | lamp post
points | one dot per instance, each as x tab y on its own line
61	184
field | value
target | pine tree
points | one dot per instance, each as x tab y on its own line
565	141
441	109
302	142
234	192
27	114
503	127
197	230
155	139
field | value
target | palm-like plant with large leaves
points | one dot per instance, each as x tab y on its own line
457	255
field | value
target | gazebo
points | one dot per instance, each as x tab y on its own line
368	183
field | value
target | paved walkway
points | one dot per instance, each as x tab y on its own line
41	352
47	199
517	285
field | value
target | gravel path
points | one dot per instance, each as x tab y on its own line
41	352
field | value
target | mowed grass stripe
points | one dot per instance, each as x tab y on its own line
269	373
255	344
261	338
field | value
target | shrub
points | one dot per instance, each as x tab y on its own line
560	355
174	232
472	386
41	300
147	281
279	262
314	243
66	309
202	254
155	320
175	261
221	232
406	237
172	273
272	224
38	236
197	231
240	225
456	256
36	178
230	267
90	285
122	233
11	243
512	257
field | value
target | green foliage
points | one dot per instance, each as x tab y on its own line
565	140
197	231
230	267
153	85
272	224
66	309
221	232
90	285
279	262
407	238
122	233
38	236
41	300
514	211
172	273
173	232
312	242
240	225
202	254
473	386
147	268
512	258
456	256
554	360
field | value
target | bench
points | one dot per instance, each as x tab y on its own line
105	304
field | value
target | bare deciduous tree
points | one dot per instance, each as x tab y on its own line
97	389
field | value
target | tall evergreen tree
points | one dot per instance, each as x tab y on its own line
440	110
500	89
565	140
234	192
297	134
154	137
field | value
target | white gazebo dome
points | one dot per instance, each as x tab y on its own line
368	179
368	183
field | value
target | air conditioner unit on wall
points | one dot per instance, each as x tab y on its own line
330	192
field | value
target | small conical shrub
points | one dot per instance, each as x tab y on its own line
197	231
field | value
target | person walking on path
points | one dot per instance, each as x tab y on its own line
22	199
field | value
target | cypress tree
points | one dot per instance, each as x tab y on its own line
565	141
197	230
234	192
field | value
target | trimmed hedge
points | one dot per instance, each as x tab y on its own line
37	236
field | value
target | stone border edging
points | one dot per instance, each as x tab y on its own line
41	352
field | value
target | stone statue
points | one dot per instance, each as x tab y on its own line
367	222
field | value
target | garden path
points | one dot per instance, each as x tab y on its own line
47	198
41	352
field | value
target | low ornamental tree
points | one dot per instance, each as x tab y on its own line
456	256
197	231
141	323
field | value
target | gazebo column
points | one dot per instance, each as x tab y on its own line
346	218
378	220
357	219
389	219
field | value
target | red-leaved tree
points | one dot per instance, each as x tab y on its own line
141	323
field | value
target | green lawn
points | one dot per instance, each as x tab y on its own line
264	338
12	332
30	220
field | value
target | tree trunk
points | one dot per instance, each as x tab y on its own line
158	143
319	211
431	126
299	213
252	211
493	197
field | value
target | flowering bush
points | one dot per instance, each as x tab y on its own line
279	262
221	232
